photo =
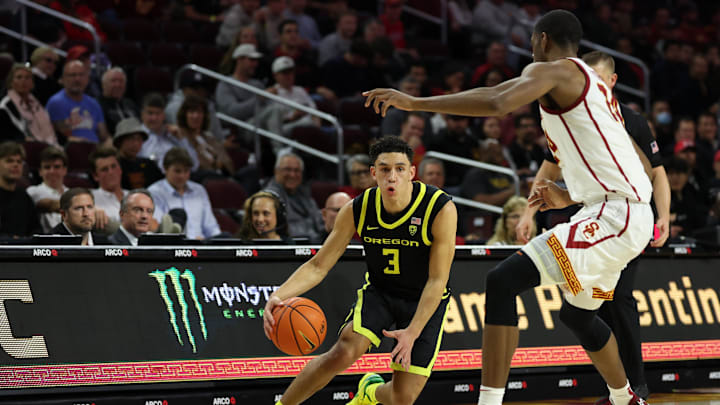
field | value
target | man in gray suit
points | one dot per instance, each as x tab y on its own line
136	217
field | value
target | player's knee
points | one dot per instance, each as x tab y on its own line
403	397
590	330
345	352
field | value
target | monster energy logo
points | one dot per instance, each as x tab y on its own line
174	275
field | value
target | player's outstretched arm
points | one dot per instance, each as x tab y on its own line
536	80
312	272
442	252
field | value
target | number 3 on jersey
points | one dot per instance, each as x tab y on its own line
393	261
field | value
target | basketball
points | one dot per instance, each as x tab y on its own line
300	326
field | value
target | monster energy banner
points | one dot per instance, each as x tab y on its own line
130	310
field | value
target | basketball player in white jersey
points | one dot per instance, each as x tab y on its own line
603	172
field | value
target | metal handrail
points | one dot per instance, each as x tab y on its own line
479	165
56	14
441	21
31	40
263	93
645	94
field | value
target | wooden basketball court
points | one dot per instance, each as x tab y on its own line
685	397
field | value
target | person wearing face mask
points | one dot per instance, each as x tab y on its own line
662	120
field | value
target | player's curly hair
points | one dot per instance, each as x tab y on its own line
390	144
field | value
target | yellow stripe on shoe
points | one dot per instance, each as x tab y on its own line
365	394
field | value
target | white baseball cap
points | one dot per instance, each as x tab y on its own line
246	50
282	63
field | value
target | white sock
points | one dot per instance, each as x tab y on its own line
490	395
621	396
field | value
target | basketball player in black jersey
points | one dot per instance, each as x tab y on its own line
408	232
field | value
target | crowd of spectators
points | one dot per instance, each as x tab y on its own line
87	145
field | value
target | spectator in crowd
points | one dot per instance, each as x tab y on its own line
332	206
22	117
455	139
203	10
335	45
662	119
598	26
391	19
348	76
107	173
77	208
525	19
706	142
193	83
372	30
505	225
268	19
115	105
485	186
83	54
432	171
358	170
393	119
18	217
496	61
492	21
453	80
291	45
303	214
46	195
668	69
178	191
237	16
264	218
684	130
151	10
79	10
688	211
161	137
136	217
695	94
714	187
74	114
137	172
687	151
193	120
307	27
235	101
411	132
524	150
247	35
44	64
284	118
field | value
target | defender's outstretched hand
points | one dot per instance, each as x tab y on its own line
402	352
388	98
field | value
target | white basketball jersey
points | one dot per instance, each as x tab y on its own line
592	148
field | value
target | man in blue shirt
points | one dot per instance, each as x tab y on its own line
73	113
177	191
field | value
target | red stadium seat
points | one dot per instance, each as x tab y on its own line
355	139
315	137
239	157
32	153
179	31
205	55
353	111
226	222
225	194
149	79
167	55
321	190
140	30
78	180
78	153
125	54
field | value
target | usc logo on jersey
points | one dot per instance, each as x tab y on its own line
589	230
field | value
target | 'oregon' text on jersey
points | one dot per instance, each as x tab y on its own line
397	247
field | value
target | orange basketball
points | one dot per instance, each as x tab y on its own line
300	326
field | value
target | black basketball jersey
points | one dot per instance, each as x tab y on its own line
397	246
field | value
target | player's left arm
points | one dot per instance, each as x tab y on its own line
442	252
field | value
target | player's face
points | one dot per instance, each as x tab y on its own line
393	173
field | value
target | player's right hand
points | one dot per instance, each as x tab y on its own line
268	320
388	98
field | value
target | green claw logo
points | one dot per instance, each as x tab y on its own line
174	275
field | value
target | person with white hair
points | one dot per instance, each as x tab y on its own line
116	107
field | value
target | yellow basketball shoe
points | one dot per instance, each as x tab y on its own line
365	394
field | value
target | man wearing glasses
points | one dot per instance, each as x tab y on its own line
303	214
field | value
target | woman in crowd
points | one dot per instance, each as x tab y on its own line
264	218
22	117
193	121
505	225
